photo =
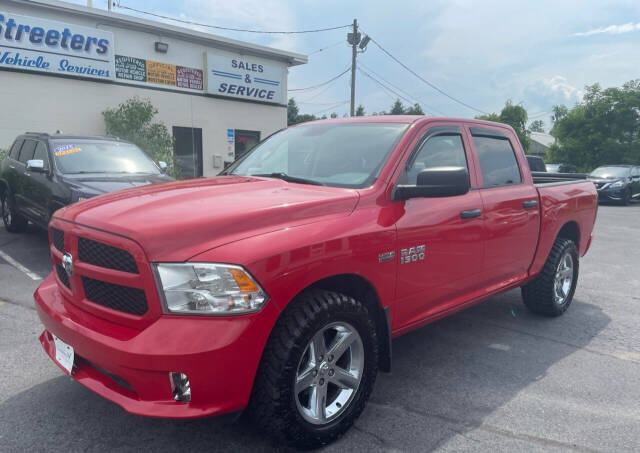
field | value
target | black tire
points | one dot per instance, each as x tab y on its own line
539	296
626	198
274	402
13	222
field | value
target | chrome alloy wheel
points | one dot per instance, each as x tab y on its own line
564	279
329	373
6	211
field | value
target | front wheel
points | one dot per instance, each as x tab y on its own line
317	371
551	293
13	222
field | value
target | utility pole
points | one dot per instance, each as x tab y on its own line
354	41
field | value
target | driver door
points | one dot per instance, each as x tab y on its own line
440	239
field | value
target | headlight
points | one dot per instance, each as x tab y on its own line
208	289
617	184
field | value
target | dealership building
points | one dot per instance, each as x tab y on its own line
62	65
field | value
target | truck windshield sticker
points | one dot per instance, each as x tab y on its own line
63	150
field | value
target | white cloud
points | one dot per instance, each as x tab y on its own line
559	84
611	30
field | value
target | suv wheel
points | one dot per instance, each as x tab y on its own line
626	198
317	371
551	293
13	222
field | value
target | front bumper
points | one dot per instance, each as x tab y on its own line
609	194
130	367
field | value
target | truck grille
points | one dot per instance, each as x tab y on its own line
57	237
116	297
104	255
62	275
111	277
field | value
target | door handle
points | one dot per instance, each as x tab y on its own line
529	204
471	214
13	167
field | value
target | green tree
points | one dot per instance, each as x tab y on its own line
360	110
415	110
515	116
292	112
602	129
397	108
3	154
537	126
133	121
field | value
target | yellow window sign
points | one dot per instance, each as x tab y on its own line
66	149
161	73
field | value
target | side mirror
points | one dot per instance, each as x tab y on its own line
163	166
35	165
436	182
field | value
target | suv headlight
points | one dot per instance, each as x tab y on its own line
617	184
208	289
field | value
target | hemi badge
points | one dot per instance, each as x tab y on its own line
387	256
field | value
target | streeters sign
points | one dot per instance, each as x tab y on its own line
36	44
245	77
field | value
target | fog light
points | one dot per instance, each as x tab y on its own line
180	387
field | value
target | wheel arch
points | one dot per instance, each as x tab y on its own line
361	289
570	230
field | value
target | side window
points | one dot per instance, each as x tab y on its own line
635	171
437	151
15	149
26	153
41	154
497	161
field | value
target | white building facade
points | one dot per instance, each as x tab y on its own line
62	65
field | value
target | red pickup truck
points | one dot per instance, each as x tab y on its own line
278	285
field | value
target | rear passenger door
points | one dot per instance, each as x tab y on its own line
10	167
510	206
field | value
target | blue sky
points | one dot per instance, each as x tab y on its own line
539	52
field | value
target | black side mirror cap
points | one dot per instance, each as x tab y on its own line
436	182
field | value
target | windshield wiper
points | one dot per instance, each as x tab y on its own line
289	178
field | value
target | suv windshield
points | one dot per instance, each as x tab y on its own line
101	156
338	155
611	172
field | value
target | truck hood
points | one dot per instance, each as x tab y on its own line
176	221
97	184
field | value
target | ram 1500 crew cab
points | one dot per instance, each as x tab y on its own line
278	285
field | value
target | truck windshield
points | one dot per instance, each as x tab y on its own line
610	172
339	155
101	156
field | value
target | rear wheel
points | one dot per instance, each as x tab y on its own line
317	371
551	293
13	222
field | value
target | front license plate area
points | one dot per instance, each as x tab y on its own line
64	354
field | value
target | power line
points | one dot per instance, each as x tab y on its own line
425	80
384	86
401	90
327	47
321	84
332	107
199	24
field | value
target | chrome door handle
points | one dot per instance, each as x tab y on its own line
529	204
471	214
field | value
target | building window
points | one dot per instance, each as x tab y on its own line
245	141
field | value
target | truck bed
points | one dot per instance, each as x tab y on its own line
541	177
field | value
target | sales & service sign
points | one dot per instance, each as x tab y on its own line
245	77
36	44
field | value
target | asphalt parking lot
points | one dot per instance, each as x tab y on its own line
492	378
